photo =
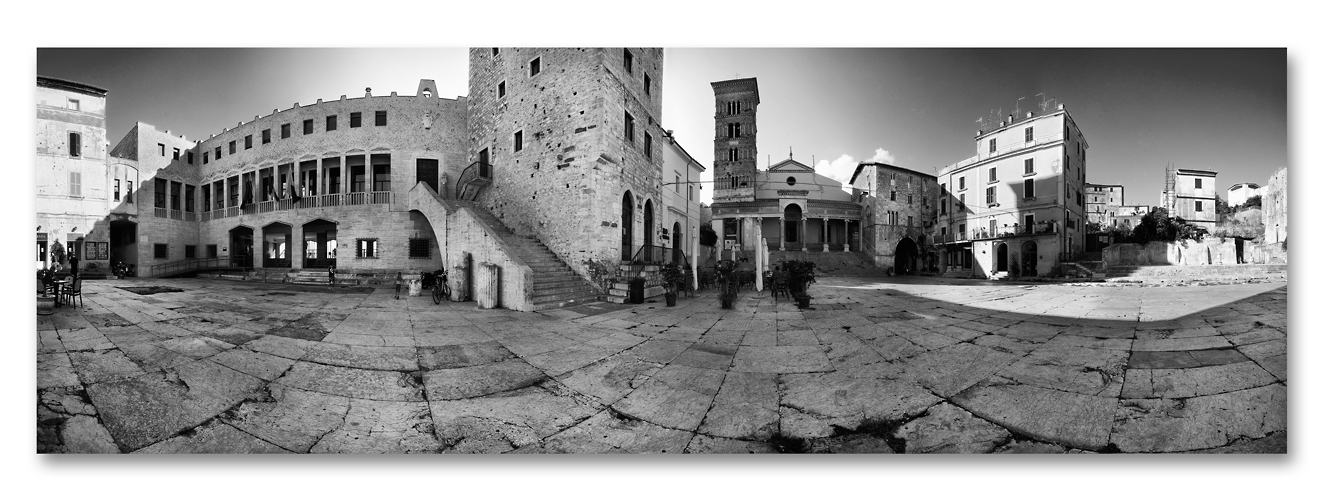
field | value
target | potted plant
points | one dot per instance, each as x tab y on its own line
800	274
46	303
57	254
636	290
672	279
726	281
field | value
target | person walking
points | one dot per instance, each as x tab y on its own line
74	265
330	276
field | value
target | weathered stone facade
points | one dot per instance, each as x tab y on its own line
898	213
74	188
735	133
1275	209
579	154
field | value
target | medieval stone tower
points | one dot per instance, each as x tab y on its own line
573	136
734	147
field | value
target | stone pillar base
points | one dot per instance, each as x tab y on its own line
488	286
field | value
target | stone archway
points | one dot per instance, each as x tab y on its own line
242	247
627	227
791	226
1002	258
277	249
904	257
319	244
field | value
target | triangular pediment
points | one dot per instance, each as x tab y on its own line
789	165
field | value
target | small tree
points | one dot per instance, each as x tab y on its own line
707	236
1158	226
1255	201
57	253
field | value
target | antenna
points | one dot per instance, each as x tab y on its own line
1020	99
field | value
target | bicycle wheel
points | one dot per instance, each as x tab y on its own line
438	293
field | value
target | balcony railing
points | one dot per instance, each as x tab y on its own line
331	200
1008	231
206	216
355	198
265	206
233	211
160	212
473	178
327	200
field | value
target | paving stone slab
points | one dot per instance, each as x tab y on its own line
461	355
146	409
1201	381
949	429
1186	344
480	380
352	382
55	370
781	359
266	367
290	418
382	427
502	422
1264	349
1096	372
702	443
612	378
1174	425
828	399
102	366
281	346
83	434
606	433
368	357
950	370
218	438
1076	420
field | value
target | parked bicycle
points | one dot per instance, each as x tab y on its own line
438	282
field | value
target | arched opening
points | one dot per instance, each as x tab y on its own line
677	255
1002	258
626	226
277	245
124	250
648	232
904	257
319	244
242	247
791	225
1029	250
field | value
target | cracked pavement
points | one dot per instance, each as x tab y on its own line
878	365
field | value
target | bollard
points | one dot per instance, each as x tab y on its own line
488	285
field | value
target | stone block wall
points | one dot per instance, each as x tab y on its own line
1210	251
1275	209
467	234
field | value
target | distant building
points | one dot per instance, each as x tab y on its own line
1192	196
680	195
1102	200
1017	205
1127	216
898	213
74	188
1238	193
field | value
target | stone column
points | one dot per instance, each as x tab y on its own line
826	234
782	233
801	232
760	248
846	235
488	286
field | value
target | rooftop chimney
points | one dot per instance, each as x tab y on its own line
1029	114
1060	106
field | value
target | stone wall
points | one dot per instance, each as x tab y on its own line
1210	251
1275	209
467	234
566	184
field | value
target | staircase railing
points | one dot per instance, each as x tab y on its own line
653	254
476	174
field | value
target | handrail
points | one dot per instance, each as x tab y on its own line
653	254
476	171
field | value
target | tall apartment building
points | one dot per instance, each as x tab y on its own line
1192	196
1102	200
1017	205
74	188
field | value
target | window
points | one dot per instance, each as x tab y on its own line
909	221
175	195
205	157
367	248
647	84
231	147
175	153
629	127
330	123
1198	206
1027	167
992	174
689	192
733	130
189	157
944	207
791	181
73	104
162	150
733	154
159	250
307	127
518	141
677	184
893	196
76	184
75	144
189	198
1029	189
647	144
129	192
418	248
217	152
500	90
943	190
992	145
962	183
629	61
534	67
909	198
990	196
381	118
286	130
1027	134
210	251
962	228
189	251
380	169
266	136
249	141
1198	183
495	52
116	193
962	200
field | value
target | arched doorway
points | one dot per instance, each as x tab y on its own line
791	226
904	257
242	247
676	254
626	226
647	226
277	245
319	244
1029	258
1002	258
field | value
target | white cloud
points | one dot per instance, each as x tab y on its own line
841	169
882	156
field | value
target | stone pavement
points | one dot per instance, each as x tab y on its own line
879	365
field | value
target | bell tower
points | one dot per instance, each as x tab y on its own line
734	147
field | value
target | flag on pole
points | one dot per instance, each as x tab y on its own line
295	196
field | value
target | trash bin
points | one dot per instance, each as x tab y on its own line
413	287
488	285
636	291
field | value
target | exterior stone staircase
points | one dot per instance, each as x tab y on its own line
554	284
311	277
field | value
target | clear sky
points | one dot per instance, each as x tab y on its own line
1217	109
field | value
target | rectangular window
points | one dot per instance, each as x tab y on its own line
211	251
1027	135
73	104
647	144
909	221
992	145
75	144
534	67
175	153
629	61
500	90
1198	207
1029	189
367	248
381	118
175	195
944	207
189	157
231	147
647	84
205	157
217	152
76	184
518	141
962	200
677	184
1027	166
189	251
308	127
159	250
629	127
495	52
265	136
355	120
162	150
990	196
330	123
962	183
1198	183
418	248
356	170
893	196
379	165
286	130
116	193
189	198
689	192
943	190
992	174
